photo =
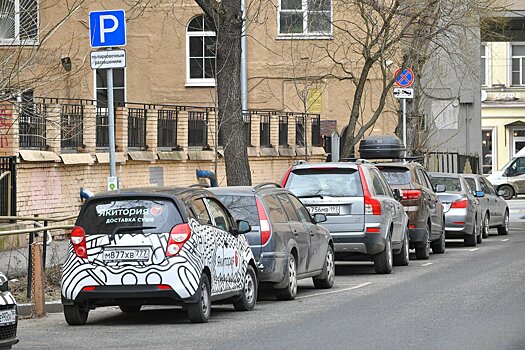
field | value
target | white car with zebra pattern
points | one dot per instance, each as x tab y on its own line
8	315
157	246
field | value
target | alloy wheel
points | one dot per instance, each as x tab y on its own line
249	288
204	299
292	275
330	267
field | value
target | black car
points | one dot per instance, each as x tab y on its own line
286	241
8	315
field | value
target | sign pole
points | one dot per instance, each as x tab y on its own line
111	126
405	125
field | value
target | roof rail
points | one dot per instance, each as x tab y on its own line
299	162
357	160
200	185
264	184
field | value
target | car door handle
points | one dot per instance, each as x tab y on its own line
295	233
312	233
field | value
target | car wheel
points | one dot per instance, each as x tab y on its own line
290	291
200	311
76	315
423	251
486	225
479	236
508	191
504	229
383	261
438	246
472	240
403	257
326	278
130	309
248	297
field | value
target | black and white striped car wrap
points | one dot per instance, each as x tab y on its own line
5	297
208	247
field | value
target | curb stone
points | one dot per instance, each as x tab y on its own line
25	310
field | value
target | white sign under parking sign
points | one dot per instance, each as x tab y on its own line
112	183
108	59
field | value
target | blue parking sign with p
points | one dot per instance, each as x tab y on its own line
107	28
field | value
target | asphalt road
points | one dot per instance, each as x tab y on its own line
467	298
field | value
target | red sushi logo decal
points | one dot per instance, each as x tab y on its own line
156	211
236	258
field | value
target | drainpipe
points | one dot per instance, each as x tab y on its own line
207	174
244	75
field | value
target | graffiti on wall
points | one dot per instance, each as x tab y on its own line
5	125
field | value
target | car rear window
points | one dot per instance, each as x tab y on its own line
241	208
107	216
339	182
452	184
396	176
471	183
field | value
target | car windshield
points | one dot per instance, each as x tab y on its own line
452	184
396	176
241	207
108	216
338	182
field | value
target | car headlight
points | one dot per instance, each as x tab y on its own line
4	287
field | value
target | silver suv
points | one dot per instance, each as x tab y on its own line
364	215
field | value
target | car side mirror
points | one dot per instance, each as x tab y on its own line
398	194
319	217
440	188
479	194
243	227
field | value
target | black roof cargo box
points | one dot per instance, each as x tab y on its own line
381	147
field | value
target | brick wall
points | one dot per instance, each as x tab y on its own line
52	189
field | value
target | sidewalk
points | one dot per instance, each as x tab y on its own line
14	262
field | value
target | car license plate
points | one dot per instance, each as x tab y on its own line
125	254
324	209
7	316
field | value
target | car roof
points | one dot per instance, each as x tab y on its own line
399	164
440	174
246	190
328	165
180	192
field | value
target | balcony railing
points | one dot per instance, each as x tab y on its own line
32	125
283	130
167	128
136	127
197	129
265	128
72	125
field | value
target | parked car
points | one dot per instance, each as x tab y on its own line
510	180
8	315
462	211
363	216
149	246
494	208
287	243
426	219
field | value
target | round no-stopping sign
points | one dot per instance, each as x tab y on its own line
405	78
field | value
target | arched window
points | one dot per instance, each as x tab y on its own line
200	52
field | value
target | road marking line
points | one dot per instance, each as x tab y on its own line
336	291
473	250
427	264
505	240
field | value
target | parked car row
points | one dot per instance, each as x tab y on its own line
193	246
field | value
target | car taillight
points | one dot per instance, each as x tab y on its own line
179	234
286	176
411	194
372	205
78	239
373	229
266	230
460	204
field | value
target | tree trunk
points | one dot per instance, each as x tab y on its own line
230	114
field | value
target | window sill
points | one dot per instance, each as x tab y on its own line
304	37
199	84
13	42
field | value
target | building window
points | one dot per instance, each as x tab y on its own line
200	52
484	65
487	150
18	22
305	17
119	87
518	64
518	140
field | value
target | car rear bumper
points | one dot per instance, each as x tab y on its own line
272	267
359	243
137	294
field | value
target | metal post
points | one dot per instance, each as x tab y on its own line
30	262
111	119
44	248
405	125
